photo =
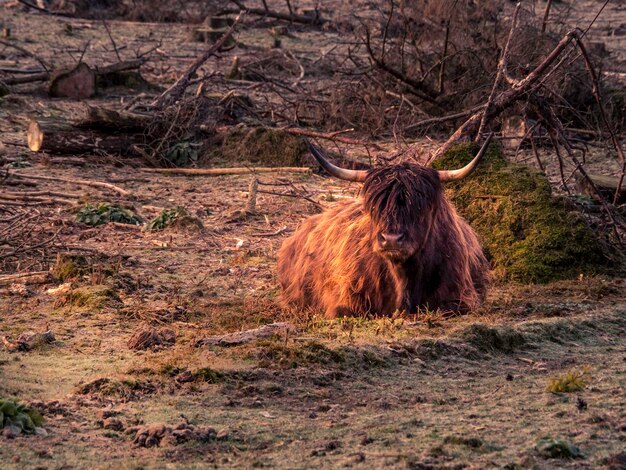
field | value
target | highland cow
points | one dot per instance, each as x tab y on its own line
401	248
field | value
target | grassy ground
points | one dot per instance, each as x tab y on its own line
418	393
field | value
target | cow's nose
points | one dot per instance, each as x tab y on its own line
391	240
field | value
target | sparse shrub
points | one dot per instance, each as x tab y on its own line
208	375
104	213
177	217
573	381
93	297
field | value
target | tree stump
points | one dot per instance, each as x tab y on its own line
78	83
211	35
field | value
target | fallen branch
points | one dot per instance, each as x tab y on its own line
247	336
502	65
38	277
226	171
595	90
96	184
280	231
505	99
28	53
292	17
329	136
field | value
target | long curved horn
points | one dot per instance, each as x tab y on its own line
452	175
341	173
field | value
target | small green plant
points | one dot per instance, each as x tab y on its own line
103	213
20	416
182	153
166	218
557	448
573	381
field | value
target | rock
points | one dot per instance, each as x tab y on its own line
222	434
113	423
11	431
31	340
41	432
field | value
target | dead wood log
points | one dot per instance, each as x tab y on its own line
98	118
226	171
103	71
608	186
247	336
77	83
56	138
38	277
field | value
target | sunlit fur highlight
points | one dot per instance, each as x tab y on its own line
333	263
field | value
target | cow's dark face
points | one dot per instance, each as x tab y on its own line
401	200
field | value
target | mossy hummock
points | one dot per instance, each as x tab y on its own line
528	235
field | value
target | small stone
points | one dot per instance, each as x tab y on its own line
11	431
222	434
41	432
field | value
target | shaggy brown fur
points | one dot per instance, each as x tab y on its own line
337	261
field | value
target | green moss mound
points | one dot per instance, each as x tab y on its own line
528	235
261	146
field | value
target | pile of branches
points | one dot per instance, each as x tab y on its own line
427	65
26	243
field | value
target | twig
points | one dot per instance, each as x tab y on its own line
329	136
175	92
28	53
315	20
545	16
502	65
33	247
252	191
42	10
106	26
97	184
